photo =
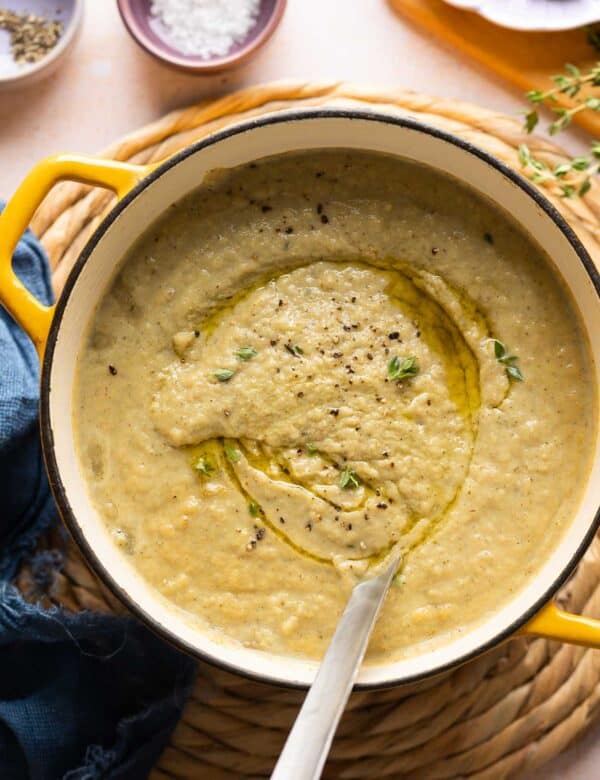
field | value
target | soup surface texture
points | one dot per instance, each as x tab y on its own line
316	359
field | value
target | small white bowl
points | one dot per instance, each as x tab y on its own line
538	15
69	12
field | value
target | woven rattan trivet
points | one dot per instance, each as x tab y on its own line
496	717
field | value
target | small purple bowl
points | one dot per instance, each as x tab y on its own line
151	35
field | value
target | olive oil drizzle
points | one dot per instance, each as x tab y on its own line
263	461
217	448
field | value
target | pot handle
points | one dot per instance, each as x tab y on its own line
34	317
553	623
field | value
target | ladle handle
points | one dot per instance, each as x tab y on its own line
307	746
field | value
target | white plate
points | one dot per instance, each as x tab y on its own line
534	14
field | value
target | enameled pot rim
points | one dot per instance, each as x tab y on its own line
55	480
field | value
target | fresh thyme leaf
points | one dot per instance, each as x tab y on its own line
501	354
231	453
499	349
402	368
531	120
393	367
246	353
567	191
562	170
203	466
584	187
349	480
573	70
253	508
311	449
593	37
224	374
580	163
535	96
294	349
524	155
562	122
514	372
592	103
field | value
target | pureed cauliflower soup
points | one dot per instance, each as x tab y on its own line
319	358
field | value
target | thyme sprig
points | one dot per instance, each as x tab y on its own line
508	361
573	177
402	368
569	84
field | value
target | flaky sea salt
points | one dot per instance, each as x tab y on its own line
206	28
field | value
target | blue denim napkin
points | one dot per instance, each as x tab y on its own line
82	696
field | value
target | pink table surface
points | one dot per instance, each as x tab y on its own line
109	87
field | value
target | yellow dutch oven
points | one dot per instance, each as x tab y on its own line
143	194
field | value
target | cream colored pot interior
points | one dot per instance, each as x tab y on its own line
254	142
